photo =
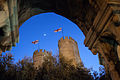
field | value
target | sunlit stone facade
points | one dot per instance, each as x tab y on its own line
68	48
39	57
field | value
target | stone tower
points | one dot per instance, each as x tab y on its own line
39	56
68	48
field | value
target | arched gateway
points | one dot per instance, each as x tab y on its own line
99	20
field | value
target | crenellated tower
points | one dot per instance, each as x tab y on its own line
39	57
68	48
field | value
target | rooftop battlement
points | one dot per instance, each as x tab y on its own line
66	39
41	51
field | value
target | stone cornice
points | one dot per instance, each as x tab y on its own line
101	21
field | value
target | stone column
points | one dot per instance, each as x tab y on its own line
118	51
104	37
109	55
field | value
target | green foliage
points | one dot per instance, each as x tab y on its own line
102	75
7	68
50	70
25	69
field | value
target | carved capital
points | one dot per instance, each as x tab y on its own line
116	19
107	52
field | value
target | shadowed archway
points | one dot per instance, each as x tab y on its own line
95	18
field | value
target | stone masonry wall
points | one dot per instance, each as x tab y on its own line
68	48
38	57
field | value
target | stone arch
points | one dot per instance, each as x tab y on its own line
80	12
74	10
91	16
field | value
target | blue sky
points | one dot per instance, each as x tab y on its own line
40	27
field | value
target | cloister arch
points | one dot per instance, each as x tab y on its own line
95	18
